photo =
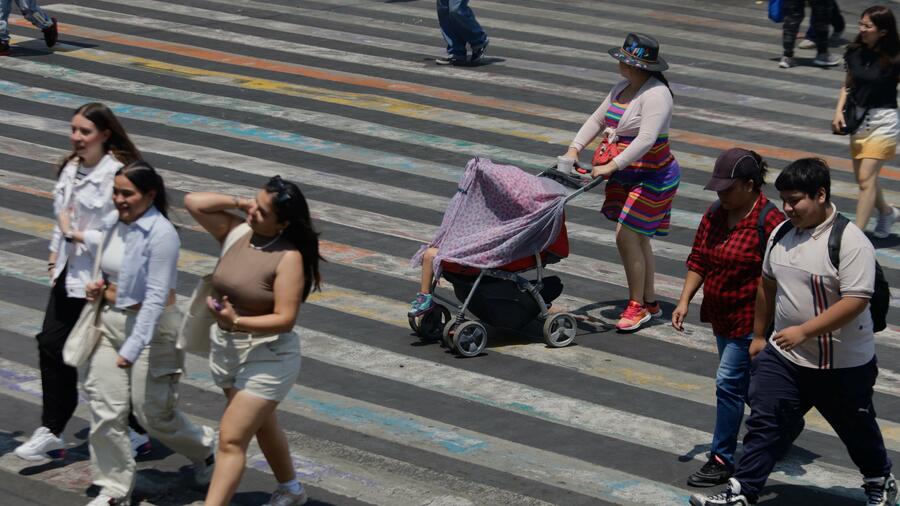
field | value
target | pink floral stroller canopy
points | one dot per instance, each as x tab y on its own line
499	214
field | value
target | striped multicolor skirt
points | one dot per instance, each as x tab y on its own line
641	199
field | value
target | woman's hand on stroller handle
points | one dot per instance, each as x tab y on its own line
604	171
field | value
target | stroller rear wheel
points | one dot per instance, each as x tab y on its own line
469	339
430	325
560	330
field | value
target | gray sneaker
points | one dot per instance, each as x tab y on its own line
885	222
881	491
786	62
827	60
284	498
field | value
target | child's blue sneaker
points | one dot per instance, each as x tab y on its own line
421	305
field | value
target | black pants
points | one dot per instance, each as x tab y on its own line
793	16
59	382
781	392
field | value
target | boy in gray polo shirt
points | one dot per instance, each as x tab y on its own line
822	353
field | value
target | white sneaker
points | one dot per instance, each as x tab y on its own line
827	60
284	498
806	44
105	500
203	471
42	445
885	222
786	62
140	443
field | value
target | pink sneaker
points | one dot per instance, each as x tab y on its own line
633	317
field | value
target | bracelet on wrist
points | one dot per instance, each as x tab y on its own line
234	323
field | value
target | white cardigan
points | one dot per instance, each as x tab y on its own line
647	116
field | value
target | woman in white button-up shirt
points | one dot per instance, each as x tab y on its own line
82	198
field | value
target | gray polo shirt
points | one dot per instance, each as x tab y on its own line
808	285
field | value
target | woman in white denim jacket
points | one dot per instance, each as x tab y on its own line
82	198
136	363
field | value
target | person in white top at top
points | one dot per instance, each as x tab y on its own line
82	198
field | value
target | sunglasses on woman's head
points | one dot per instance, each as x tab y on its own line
282	194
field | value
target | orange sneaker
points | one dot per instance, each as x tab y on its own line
633	317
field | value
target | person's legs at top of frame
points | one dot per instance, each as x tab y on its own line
837	29
820	19
459	27
34	14
871	197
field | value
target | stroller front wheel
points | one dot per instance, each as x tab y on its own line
560	330
470	339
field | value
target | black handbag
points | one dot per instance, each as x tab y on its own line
853	115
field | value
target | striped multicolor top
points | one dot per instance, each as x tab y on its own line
656	158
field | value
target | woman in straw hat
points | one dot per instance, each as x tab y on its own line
633	123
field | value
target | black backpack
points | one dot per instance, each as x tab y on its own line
760	224
881	298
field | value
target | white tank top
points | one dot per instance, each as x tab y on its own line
113	252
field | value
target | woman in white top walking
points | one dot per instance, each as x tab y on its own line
82	197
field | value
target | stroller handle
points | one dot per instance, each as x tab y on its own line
572	181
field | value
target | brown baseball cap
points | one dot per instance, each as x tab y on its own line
732	165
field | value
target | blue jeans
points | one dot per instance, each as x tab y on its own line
30	9
459	26
732	382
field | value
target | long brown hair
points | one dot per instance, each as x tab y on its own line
118	144
888	46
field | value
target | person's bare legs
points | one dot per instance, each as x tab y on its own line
866	171
245	414
428	270
275	448
632	254
649	270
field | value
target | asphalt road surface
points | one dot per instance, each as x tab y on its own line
344	97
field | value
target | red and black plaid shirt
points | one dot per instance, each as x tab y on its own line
730	262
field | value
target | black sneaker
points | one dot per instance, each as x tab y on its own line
881	491
51	34
478	52
4	48
450	60
731	496
715	472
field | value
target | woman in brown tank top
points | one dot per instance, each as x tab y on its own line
268	270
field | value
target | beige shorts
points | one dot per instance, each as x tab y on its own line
266	367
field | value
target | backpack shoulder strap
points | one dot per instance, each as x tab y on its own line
834	239
761	225
782	230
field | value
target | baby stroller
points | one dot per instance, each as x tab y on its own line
518	227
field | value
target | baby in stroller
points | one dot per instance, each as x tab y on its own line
502	222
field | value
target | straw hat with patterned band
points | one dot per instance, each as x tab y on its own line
641	51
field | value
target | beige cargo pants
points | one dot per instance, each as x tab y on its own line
150	386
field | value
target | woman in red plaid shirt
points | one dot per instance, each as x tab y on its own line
726	260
